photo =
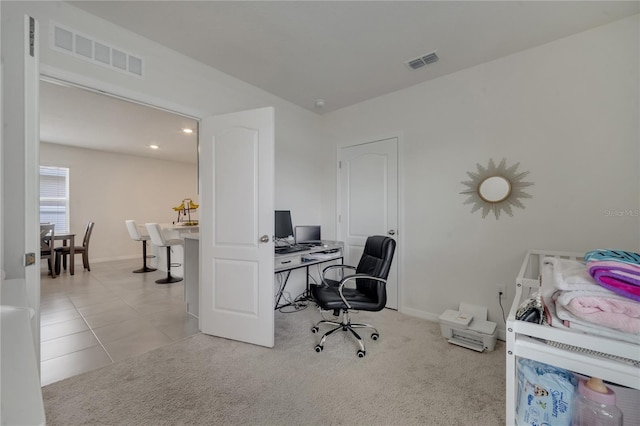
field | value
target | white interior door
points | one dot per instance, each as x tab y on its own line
236	225
20	158
369	201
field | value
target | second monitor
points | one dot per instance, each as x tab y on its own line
308	235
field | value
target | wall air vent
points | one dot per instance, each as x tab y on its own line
82	46
421	61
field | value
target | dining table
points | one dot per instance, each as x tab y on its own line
67	239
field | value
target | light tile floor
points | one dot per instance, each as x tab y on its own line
92	319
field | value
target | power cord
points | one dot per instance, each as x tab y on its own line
501	308
292	308
298	304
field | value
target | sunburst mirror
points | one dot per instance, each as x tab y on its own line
496	188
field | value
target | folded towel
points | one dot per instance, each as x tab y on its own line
570	275
574	323
564	297
616	255
615	312
614	266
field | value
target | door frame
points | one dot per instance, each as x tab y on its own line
399	256
55	74
20	124
59	76
82	81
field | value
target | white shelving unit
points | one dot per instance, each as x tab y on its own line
591	355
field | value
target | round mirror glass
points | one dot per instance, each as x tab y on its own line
494	189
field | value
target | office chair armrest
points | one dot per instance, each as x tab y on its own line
353	277
330	267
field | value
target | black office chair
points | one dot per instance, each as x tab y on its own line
369	294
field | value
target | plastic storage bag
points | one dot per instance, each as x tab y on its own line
545	394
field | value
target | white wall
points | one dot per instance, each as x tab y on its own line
178	83
109	188
566	111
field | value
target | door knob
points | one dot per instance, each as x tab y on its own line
392	232
264	239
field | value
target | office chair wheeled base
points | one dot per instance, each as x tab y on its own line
345	325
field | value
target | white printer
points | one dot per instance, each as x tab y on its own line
468	327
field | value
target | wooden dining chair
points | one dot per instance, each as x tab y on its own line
62	252
47	232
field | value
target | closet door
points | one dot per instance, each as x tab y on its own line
368	201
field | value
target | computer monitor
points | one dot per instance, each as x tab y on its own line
283	227
308	234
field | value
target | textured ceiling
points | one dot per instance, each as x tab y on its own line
348	51
80	118
344	52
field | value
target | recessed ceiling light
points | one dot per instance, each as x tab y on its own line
154	146
187	130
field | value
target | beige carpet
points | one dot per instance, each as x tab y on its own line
410	376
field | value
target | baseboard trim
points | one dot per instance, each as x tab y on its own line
420	314
110	259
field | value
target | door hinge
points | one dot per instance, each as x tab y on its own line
339	164
32	37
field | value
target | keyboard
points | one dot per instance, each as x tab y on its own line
290	249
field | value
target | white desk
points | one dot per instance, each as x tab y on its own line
286	262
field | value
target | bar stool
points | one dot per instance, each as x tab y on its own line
137	236
155	233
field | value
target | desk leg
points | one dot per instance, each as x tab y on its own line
307	294
307	291
281	290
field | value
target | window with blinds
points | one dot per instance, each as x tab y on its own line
54	197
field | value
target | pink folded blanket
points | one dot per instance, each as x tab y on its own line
613	312
619	270
562	318
614	266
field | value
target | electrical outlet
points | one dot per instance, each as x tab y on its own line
501	291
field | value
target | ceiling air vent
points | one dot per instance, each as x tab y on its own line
85	47
420	62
